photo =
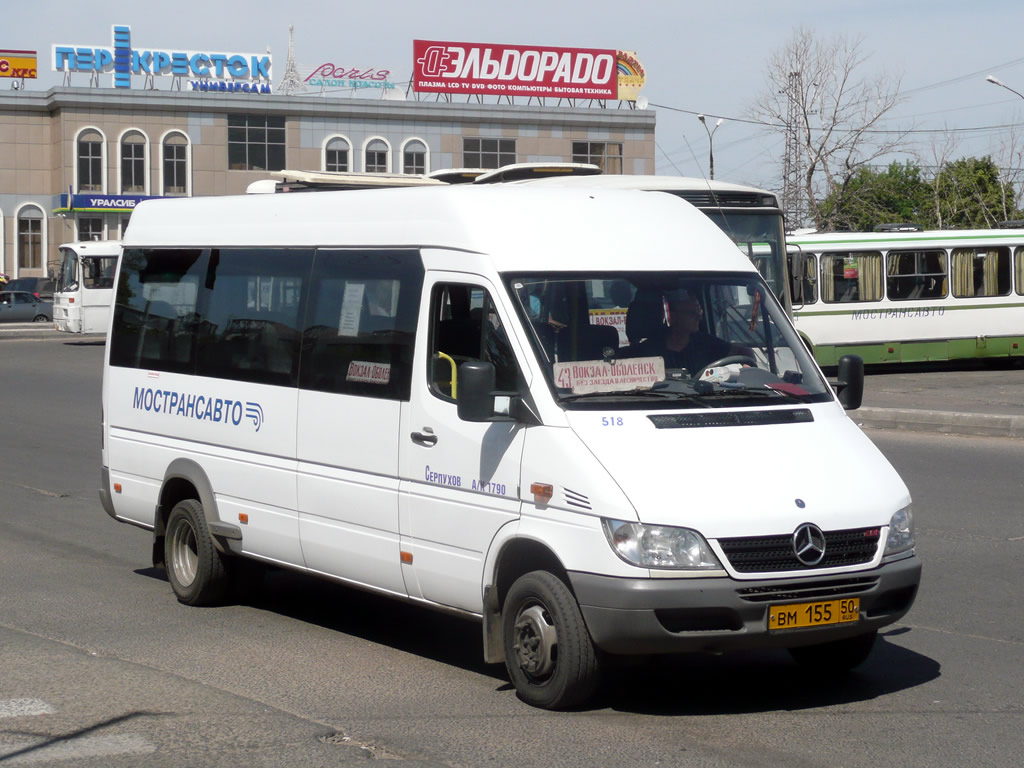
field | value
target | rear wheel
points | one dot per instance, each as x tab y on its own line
195	568
548	651
837	656
40	319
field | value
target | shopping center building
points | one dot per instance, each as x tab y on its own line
76	159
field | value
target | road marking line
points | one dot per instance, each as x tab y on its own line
23	707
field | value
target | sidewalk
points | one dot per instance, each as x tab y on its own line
971	398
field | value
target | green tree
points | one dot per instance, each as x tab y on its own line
969	194
869	198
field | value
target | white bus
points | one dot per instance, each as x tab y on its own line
899	297
403	390
85	286
751	217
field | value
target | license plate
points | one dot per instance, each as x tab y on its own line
799	615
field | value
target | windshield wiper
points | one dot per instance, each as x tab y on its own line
759	392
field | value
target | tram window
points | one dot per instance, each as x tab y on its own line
851	277
913	275
976	272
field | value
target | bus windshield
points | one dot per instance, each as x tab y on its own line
675	340
762	237
67	276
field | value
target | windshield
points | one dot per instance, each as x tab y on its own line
761	236
681	339
67	277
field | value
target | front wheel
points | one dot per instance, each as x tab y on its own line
548	651
836	657
195	568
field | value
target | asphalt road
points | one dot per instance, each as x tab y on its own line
99	665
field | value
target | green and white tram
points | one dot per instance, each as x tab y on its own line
910	296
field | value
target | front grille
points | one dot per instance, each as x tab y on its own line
808	590
769	554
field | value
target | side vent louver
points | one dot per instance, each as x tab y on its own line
574	499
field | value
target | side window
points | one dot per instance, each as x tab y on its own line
98	272
361	324
1018	268
803	287
155	307
914	275
851	277
465	326
252	314
980	272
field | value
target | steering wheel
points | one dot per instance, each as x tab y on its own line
726	361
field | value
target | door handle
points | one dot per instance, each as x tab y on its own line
427	438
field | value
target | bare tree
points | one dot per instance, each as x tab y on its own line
941	151
828	114
1010	159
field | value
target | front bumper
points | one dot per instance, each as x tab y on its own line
643	616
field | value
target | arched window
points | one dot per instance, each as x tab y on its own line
376	156
175	164
415	157
337	151
133	163
89	151
31	237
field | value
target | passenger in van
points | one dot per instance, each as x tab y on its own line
684	344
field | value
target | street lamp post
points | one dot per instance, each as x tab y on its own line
711	144
996	81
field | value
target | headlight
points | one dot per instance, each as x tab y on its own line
659	546
901	532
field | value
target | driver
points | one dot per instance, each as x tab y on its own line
684	344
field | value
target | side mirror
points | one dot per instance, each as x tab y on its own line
476	391
850	381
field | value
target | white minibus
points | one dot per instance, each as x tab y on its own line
411	391
85	286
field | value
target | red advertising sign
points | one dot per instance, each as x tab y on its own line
17	64
514	70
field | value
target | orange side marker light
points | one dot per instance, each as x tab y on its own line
542	492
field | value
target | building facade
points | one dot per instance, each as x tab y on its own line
75	161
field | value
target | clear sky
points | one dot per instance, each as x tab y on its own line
704	57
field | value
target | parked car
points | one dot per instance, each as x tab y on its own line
24	307
42	287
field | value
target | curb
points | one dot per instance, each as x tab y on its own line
942	422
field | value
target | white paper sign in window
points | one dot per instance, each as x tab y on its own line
351	309
629	375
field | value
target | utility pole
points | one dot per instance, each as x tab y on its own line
792	163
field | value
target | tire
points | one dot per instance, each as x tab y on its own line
196	570
40	319
838	656
548	651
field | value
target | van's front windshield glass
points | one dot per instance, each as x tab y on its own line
682	339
